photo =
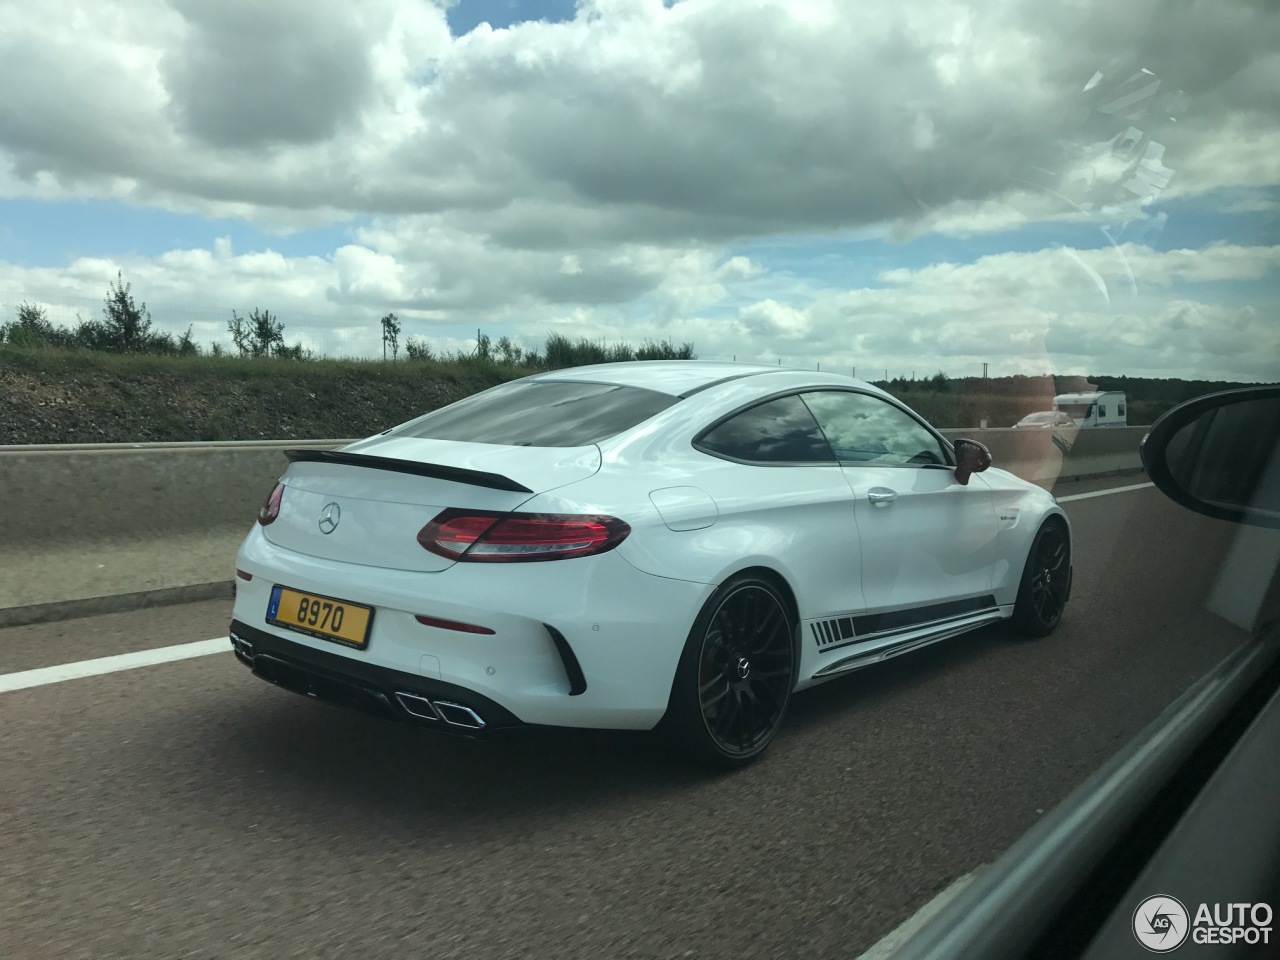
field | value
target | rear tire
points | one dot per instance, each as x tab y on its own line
733	683
1046	582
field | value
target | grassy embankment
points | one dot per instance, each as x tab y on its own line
52	395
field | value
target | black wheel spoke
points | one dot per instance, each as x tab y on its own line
728	716
763	689
746	721
712	701
766	627
770	674
715	681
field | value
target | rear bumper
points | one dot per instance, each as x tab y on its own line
371	689
590	643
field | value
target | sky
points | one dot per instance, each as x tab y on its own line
898	186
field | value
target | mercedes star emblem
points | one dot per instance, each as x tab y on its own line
329	518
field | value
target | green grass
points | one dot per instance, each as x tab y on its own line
56	359
56	395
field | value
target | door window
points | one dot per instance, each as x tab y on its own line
866	429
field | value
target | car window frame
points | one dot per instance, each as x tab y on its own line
948	449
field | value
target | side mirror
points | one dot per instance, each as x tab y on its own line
1219	455
971	457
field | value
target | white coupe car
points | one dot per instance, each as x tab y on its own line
673	545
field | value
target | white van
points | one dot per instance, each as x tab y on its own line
1100	409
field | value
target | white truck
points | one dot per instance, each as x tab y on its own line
1098	409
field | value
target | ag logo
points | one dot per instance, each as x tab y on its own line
1161	924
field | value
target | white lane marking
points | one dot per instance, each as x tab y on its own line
894	940
124	661
1103	493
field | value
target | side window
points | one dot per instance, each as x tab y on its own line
866	429
780	431
1120	410
1102	410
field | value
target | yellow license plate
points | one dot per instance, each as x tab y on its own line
323	617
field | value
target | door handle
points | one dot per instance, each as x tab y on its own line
881	496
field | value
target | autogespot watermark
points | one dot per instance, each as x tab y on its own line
1162	924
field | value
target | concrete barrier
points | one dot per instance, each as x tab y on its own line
63	494
54	495
1042	456
95	528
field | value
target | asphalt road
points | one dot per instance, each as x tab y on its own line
191	810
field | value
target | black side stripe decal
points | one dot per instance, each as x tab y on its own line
842	630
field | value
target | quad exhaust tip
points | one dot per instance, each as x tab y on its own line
420	707
454	714
243	649
457	715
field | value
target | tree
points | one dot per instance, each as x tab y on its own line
238	327
390	335
30	315
259	335
268	332
511	353
127	325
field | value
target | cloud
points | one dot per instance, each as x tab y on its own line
600	176
771	320
636	122
1034	313
1191	313
251	75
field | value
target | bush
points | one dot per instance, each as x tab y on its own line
417	350
32	328
561	352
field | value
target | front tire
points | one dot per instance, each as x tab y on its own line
1046	582
733	684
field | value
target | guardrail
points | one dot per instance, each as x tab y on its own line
77	492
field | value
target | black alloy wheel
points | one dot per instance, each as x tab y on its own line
1046	581
735	677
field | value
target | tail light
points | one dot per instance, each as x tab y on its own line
271	506
478	536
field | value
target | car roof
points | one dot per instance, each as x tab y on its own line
674	377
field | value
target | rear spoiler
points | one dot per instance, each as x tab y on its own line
477	478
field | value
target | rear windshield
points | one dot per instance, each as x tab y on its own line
548	414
